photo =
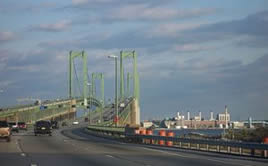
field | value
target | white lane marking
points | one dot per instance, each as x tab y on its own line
122	143
32	164
175	154
109	156
18	146
226	162
23	154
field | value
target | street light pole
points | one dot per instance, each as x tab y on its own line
116	97
89	117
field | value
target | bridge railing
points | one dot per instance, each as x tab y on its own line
220	146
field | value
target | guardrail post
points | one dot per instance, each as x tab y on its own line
265	154
240	151
218	148
228	149
252	152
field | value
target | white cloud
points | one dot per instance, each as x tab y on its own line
144	12
28	68
56	27
171	29
83	2
6	36
192	47
6	83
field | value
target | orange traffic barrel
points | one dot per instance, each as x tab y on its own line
142	132
170	134
149	132
162	133
265	140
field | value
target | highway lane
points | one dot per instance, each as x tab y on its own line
76	147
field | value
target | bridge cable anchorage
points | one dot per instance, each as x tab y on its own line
77	79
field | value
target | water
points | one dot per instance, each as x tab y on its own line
182	132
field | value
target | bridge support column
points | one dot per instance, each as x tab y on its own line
135	113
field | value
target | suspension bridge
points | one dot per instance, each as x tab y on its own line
124	110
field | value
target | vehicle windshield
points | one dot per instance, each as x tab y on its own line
42	123
3	124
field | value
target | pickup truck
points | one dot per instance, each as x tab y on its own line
5	132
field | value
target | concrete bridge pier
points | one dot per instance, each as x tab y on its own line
135	113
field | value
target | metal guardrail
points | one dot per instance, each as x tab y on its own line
230	147
244	145
117	130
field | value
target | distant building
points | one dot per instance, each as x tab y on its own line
146	124
222	117
238	125
197	118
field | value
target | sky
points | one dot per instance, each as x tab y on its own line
193	55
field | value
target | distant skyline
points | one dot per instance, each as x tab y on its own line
192	54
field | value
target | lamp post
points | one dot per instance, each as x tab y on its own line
116	97
89	85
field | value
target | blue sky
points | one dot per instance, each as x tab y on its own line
192	54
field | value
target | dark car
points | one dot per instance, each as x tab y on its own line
42	127
54	125
14	126
22	125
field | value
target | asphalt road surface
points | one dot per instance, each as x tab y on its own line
74	147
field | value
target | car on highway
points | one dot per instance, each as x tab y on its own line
54	124
5	131
22	126
42	127
75	123
14	126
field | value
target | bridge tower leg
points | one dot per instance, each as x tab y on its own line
133	55
73	55
85	79
128	84
99	76
135	109
70	75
